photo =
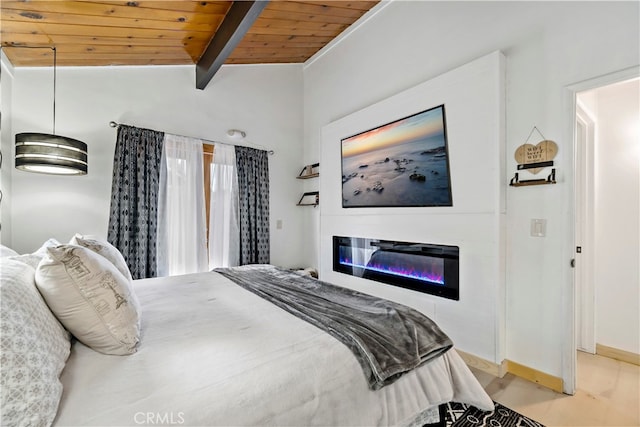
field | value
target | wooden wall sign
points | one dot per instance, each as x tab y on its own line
534	158
532	155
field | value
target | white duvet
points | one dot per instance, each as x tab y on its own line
212	353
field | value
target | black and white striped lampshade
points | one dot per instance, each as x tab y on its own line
52	154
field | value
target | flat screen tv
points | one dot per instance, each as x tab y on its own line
404	163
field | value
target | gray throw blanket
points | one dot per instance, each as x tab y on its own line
387	338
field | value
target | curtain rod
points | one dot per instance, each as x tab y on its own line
206	142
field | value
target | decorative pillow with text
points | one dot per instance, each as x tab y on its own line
105	249
91	298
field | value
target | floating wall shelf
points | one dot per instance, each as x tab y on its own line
309	171
551	179
310	198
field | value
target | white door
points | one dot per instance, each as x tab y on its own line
584	195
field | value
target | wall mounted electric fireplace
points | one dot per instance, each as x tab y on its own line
422	267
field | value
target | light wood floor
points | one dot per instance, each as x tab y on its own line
608	395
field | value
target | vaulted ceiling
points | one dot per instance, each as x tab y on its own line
102	32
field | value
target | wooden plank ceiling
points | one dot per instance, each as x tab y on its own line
102	32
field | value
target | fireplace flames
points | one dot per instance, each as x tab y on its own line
411	273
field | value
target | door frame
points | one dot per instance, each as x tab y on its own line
569	349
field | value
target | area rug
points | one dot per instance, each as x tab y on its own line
461	415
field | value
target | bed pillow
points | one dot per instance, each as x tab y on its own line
34	347
91	298
33	259
105	249
7	251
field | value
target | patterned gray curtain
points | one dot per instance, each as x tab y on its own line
253	194
134	198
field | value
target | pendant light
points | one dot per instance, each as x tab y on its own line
51	153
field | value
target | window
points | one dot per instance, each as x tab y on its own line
207	164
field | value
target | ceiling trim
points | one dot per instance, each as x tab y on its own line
346	33
236	23
6	64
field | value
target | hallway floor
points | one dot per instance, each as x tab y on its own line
608	394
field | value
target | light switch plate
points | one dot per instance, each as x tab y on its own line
538	227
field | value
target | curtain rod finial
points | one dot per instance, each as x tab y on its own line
113	124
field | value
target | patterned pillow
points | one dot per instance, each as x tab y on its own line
34	348
91	298
34	259
105	249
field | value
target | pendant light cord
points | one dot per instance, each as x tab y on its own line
55	61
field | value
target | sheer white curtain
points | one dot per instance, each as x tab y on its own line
182	245
224	233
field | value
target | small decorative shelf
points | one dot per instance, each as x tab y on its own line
310	198
532	182
551	179
309	171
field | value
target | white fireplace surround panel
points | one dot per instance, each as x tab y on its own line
473	95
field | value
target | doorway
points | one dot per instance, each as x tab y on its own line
598	239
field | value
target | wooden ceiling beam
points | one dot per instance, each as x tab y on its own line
239	19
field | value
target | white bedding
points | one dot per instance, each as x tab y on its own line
212	353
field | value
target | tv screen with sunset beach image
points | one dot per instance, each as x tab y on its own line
402	163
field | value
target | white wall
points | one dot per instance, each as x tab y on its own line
548	46
265	101
617	216
473	97
6	90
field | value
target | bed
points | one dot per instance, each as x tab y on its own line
213	353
